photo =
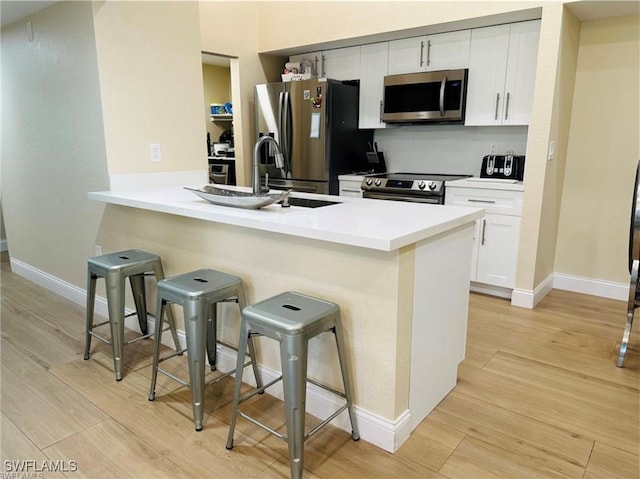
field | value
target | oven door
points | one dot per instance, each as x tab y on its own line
376	195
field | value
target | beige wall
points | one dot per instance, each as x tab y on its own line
151	85
602	152
292	24
217	89
53	148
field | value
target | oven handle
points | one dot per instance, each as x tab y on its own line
411	199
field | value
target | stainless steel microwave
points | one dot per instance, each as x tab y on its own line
438	97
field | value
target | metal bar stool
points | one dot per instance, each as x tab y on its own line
293	319
199	292
115	268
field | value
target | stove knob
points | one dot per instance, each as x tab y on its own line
378	182
432	185
421	184
369	181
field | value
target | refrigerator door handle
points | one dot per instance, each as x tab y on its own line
287	134
279	132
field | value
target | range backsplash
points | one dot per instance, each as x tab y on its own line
450	149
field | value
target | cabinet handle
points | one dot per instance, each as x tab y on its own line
317	71
428	52
323	68
484	229
497	102
490	202
506	107
421	53
381	107
351	191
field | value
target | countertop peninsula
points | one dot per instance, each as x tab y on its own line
399	271
367	223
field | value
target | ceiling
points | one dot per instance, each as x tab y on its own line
586	10
12	10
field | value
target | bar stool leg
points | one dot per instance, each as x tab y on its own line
156	346
138	290
195	322
115	303
346	380
158	271
242	303
91	299
212	335
242	346
293	352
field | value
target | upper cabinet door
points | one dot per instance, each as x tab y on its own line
315	57
447	51
521	72
373	68
442	51
405	56
487	70
342	63
502	68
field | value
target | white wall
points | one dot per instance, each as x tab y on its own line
446	149
53	147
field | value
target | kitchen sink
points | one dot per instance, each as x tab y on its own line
311	203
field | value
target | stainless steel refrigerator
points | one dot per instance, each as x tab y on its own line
316	124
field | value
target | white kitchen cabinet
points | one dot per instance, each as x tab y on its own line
373	68
338	64
341	63
497	235
315	57
442	51
502	67
350	185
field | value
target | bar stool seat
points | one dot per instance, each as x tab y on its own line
293	319
115	268
199	292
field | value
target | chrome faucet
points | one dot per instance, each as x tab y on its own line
255	181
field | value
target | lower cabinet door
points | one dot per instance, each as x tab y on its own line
498	250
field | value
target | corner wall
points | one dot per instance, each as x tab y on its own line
603	150
151	85
53	147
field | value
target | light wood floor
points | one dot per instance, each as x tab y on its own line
538	396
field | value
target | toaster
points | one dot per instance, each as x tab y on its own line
503	166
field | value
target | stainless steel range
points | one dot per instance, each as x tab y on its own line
412	187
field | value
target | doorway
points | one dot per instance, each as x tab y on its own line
216	75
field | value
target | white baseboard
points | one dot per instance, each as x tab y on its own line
594	287
577	284
4	246
384	433
529	299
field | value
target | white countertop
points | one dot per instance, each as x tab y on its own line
487	183
366	223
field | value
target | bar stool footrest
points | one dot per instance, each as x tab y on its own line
173	376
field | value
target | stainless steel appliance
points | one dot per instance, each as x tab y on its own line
315	123
438	97
412	187
222	171
633	301
503	167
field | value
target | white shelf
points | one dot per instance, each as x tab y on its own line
223	117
